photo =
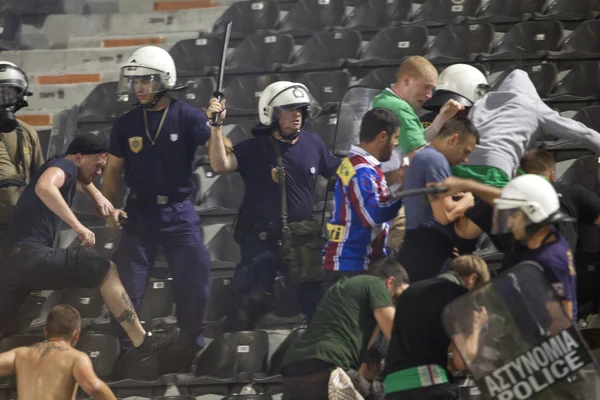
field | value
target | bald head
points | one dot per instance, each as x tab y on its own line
415	80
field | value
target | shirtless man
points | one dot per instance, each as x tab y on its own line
53	369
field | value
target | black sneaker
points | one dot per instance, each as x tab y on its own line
154	345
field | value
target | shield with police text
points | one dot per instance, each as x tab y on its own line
516	340
355	104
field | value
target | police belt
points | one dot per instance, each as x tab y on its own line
270	232
158	199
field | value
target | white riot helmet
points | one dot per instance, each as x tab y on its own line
150	65
281	96
461	82
529	201
14	89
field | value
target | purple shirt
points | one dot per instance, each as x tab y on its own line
557	260
303	162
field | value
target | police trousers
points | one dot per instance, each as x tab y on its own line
175	227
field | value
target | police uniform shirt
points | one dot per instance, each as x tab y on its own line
303	161
166	167
32	220
418	337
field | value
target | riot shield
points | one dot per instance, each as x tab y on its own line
356	102
528	348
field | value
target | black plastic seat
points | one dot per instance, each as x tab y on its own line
249	17
565	10
391	45
543	76
380	78
107	239
325	50
460	43
198	93
323	126
583	80
243	92
157	302
219	194
200	56
526	40
309	16
327	88
276	362
375	14
221	302
10	36
233	357
498	11
260	53
441	12
582	43
589	116
103	103
88	302
103	350
15	341
221	245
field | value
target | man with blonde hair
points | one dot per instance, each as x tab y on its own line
416	366
53	369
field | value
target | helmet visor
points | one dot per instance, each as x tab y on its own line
9	95
140	81
507	220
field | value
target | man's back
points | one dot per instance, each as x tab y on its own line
45	371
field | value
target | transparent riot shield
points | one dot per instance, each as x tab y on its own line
526	347
356	102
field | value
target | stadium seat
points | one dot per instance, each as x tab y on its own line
10	35
324	127
195	57
460	43
103	103
249	17
543	77
242	93
498	11
219	194
526	40
157	302
565	10
276	362
589	116
375	14
233	357
582	43
327	88
260	53
309	16
199	92
390	45
583	80
219	240
221	301
88	302
380	78
15	341
320	194
106	239
441	12
103	350
325	50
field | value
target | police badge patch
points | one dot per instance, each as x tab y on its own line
136	143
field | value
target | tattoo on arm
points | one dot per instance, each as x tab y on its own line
46	347
129	315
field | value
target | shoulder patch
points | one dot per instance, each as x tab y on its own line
346	171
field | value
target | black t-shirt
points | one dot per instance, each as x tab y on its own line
418	337
32	221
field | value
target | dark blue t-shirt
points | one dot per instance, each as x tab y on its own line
32	221
303	161
166	167
557	260
428	165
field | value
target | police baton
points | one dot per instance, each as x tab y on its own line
218	94
421	192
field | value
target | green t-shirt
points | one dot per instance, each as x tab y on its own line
343	324
412	133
